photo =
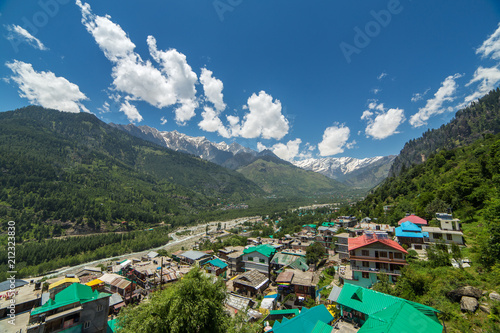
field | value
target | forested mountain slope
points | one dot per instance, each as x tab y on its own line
469	124
66	167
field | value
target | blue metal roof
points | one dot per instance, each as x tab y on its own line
408	226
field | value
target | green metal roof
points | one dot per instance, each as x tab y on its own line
74	293
264	249
309	225
328	224
217	263
305	322
387	313
322	327
284	312
401	317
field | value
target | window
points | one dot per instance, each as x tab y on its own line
398	255
449	237
262	261
437	236
86	325
366	264
99	308
365	253
383	254
365	275
250	258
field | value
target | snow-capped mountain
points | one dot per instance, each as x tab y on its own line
366	172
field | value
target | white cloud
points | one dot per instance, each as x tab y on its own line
286	152
21	34
263	119
488	78
381	76
212	123
130	111
366	114
174	83
334	140
434	105
47	89
491	46
376	90
385	124
163	120
104	108
419	96
212	88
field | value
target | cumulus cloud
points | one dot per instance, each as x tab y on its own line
163	120
287	151
16	32
212	123
46	89
212	88
385	124
334	140
434	105
171	84
491	46
264	119
130	111
487	78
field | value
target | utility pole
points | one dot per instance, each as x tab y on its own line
161	274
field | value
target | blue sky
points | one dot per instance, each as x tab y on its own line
316	79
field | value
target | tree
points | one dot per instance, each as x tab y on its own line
314	253
193	304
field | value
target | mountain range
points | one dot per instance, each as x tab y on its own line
359	173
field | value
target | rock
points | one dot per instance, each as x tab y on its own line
468	304
457	294
485	308
495	296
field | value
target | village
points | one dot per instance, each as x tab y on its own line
273	281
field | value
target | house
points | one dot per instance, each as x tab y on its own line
304	283
413	219
300	245
258	258
251	282
115	304
315	319
23	294
375	253
412	235
283	260
379	312
447	236
233	256
284	282
96	285
346	221
342	246
56	287
447	222
75	309
194	257
309	228
122	287
216	267
325	236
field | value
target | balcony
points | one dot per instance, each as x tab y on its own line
380	259
376	270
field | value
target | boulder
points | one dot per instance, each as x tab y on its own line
485	308
468	304
495	296
457	294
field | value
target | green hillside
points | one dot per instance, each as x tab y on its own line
83	174
281	178
481	117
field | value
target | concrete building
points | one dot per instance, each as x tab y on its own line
342	245
75	309
375	253
258	258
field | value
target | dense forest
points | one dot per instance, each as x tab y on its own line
468	125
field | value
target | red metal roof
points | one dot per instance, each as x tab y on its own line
413	219
356	243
